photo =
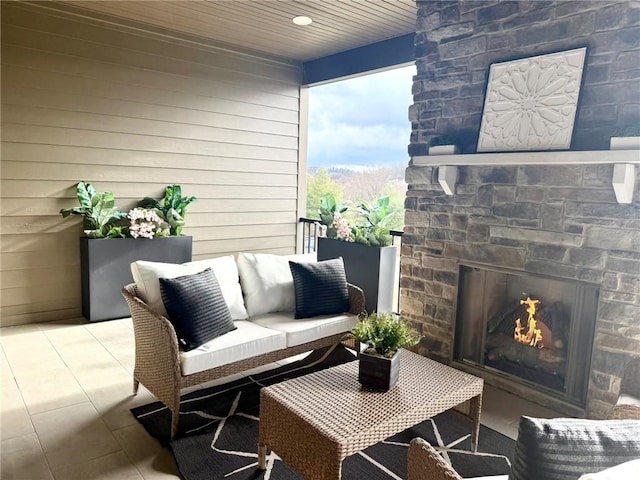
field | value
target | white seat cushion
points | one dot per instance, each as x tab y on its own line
305	330
267	282
248	340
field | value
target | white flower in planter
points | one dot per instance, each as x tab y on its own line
146	223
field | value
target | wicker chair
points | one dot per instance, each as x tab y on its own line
628	404
157	356
426	464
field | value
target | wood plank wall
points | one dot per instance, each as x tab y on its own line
132	112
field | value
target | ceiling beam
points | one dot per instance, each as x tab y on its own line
376	56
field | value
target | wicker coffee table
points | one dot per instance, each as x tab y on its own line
315	421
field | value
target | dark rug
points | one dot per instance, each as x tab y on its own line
218	435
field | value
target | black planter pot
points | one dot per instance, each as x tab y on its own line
105	269
378	373
371	268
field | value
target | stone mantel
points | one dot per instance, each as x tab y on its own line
558	157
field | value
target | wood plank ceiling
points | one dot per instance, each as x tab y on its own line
265	26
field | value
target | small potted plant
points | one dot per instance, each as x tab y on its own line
384	334
443	145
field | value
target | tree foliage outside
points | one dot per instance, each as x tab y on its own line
357	186
320	184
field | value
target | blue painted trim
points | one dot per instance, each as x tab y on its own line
375	56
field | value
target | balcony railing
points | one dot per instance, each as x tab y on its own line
312	229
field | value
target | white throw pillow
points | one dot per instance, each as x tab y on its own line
147	277
267	282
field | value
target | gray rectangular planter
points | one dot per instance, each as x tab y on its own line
105	269
371	268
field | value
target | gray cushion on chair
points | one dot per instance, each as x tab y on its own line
566	448
196	308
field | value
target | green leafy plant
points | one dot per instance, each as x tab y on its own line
370	226
330	213
98	212
376	220
384	333
172	208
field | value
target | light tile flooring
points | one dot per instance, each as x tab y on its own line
66	395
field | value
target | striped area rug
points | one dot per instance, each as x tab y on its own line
219	431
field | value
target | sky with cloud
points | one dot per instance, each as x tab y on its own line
362	121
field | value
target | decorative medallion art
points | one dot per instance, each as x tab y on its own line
531	103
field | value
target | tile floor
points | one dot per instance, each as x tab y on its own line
66	395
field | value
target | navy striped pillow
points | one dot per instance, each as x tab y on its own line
320	288
196	308
566	448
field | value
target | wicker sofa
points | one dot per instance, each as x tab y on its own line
261	338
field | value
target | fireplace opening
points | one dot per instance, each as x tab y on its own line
531	329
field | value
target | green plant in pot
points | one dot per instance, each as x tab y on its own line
172	208
384	335
376	223
98	211
330	213
114	239
370	224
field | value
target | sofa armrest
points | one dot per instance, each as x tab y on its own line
424	463
156	343
356	299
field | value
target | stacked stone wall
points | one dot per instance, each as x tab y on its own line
456	42
568	226
561	220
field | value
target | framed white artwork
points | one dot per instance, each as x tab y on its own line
531	103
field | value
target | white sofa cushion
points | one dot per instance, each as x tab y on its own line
267	281
147	277
248	340
303	330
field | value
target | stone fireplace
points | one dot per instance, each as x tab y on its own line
547	223
527	328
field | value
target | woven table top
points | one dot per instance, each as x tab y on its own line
333	401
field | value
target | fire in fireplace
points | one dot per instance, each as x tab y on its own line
531	329
529	339
533	337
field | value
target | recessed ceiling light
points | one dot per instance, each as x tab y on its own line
301	20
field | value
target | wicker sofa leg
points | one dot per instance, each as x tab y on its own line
174	407
136	384
175	420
